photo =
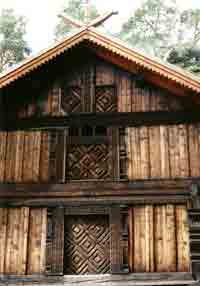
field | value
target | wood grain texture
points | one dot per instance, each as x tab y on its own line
37	241
158	238
3	238
17	241
3	139
163	152
115	240
182	233
58	241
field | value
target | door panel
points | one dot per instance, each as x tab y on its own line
87	244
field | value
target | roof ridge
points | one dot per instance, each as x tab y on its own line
116	46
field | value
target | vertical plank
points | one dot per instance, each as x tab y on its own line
182	233
36	145
37	241
3	237
174	151
129	155
155	152
55	99
160	247
44	156
137	152
28	156
23	241
3	140
58	241
9	159
131	239
170	258
164	152
12	249
149	238
194	150
104	74
115	230
183	151
18	159
138	267
145	161
165	242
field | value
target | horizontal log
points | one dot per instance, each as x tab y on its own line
154	185
106	193
116	280
122	119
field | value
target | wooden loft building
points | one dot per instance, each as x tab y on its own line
99	166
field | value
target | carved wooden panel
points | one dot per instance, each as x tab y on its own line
87	244
88	162
71	99
106	100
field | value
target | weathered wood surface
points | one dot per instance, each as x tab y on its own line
159	152
81	81
22	240
142	279
124	119
159	238
163	152
141	191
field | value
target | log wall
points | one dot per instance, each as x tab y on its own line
158	239
22	240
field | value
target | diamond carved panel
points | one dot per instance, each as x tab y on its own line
106	100
71	99
87	245
88	162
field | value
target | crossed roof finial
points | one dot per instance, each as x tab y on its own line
94	23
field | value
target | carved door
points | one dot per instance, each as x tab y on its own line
87	244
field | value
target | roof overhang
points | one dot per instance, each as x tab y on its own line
119	50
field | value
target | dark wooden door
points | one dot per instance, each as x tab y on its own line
87	244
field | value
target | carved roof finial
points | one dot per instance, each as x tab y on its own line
94	23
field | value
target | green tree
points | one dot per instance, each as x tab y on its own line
76	10
186	53
160	28
13	47
151	25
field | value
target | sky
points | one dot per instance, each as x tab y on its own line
42	15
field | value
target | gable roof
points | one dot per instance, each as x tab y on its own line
113	45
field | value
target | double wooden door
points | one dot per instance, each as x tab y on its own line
87	244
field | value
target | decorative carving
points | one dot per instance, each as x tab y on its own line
87	245
71	99
106	100
88	162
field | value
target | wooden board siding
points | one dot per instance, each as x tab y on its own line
22	237
133	94
158	239
3	143
148	153
163	152
26	156
37	241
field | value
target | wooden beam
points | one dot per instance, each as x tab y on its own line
137	192
120	119
145	279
